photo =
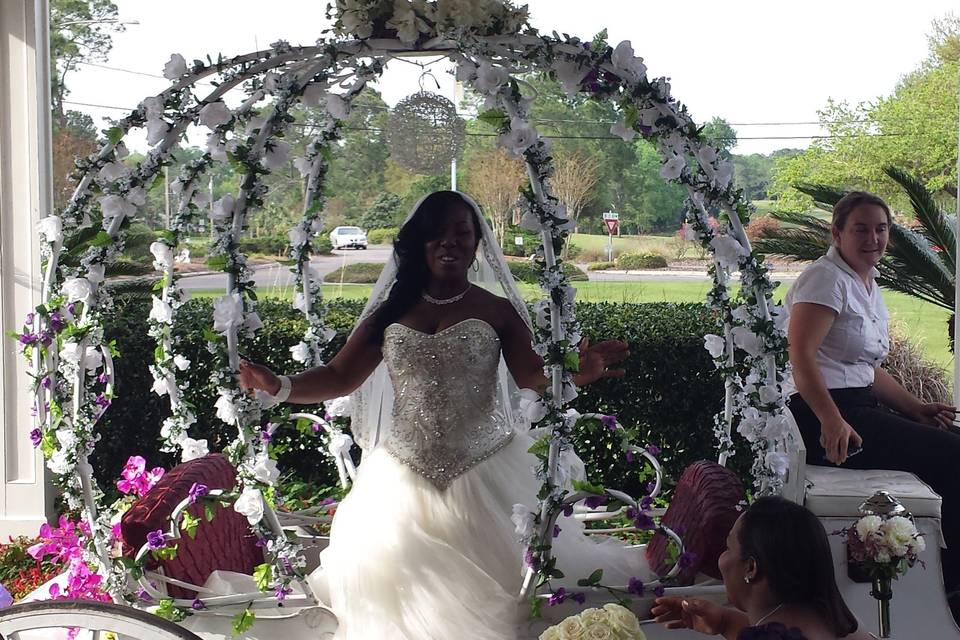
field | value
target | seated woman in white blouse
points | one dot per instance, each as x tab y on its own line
841	397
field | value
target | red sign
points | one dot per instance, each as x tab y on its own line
612	226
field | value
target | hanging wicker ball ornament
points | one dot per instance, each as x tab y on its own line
424	133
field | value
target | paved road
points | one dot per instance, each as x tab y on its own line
277	275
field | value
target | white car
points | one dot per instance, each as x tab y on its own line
345	237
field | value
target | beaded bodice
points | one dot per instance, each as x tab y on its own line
446	414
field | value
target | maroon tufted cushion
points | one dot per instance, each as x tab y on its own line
702	511
224	543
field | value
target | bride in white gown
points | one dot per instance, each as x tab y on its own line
423	547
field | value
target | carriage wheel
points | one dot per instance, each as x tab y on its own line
93	616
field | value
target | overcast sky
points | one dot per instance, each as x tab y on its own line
750	61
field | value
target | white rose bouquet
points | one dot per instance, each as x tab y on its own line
885	547
612	622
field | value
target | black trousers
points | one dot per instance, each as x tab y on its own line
891	441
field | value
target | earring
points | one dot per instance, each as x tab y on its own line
747	579
476	264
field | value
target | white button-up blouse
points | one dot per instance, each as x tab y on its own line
858	340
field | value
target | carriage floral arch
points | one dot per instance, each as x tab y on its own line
492	46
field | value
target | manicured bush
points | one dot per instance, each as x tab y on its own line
601	266
526	271
630	261
760	227
356	273
279	246
382	236
670	392
531	241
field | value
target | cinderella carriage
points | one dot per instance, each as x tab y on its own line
177	542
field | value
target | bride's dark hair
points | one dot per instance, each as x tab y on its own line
408	251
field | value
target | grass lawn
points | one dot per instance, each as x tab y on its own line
623	244
924	322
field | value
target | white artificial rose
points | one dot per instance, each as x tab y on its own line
868	526
714	344
598	631
621	617
226	409
162	255
77	289
161	311
769	393
777	427
183	257
300	302
777	461
750	423
339	407
571	629
722	174
193	449
297	236
532	405
466	71
216	148
489	77
112	171
70	352
180	362
114	206
59	463
175	67
898	533
621	130
337	107
523	521
271	81
304	166
593	616
626	64
95	273
227	312
252	323
406	22
157	129
552	633
747	340
92	358
66	438
706	155
153	107
161	386
51	228
223	208
727	250
250	504
300	352
520	138
570	74
276	156
673	167
266	471
313	95
214	114
541	314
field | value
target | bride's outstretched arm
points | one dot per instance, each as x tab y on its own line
526	366
347	371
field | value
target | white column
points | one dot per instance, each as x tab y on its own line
26	498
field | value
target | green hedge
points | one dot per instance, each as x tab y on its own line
526	271
356	273
601	266
630	261
280	245
382	236
671	390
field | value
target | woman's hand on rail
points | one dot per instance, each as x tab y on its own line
257	376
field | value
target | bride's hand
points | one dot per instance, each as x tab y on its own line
257	376
596	361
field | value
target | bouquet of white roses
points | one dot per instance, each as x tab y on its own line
613	622
884	546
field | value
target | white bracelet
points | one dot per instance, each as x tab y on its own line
284	392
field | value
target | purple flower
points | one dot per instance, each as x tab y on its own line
102	378
315	427
646	502
143	596
197	491
653	449
595	501
659	591
630	457
529	559
28	339
36	437
686	559
579	597
632	513
155	540
265	436
72	308
568	510
46	382
610	422
197	604
635	586
102	401
281	592
56	322
643	521
28	321
261	543
558	597
556	531
46	338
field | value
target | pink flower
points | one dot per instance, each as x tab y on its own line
136	479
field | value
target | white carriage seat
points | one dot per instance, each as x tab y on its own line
833	491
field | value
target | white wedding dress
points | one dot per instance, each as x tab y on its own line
423	546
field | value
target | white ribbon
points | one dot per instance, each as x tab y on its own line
339	449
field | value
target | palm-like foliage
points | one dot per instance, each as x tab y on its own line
918	262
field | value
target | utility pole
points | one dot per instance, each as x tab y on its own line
166	195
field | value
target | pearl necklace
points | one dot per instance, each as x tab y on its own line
768	614
429	298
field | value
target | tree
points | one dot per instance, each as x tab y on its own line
383	212
914	128
74	137
494	181
80	31
574	178
721	135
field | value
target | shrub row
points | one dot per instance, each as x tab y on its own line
357	273
526	271
279	245
670	391
647	260
601	266
382	236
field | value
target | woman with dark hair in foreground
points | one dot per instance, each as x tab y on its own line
778	573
